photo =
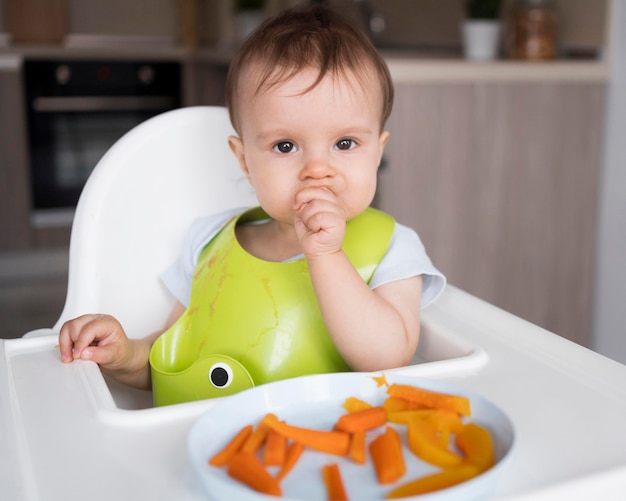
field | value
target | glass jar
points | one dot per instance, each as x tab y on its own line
532	32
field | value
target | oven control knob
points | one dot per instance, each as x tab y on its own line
146	74
63	74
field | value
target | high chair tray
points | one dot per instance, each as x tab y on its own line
67	434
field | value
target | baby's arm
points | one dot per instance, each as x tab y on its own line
372	330
101	339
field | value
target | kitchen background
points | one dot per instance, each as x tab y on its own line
521	164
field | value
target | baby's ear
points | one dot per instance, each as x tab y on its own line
236	146
382	142
383	138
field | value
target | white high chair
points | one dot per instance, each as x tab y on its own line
136	207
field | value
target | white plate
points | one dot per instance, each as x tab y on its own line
316	402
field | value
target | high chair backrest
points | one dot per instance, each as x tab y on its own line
136	207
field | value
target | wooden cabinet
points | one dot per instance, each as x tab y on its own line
15	231
203	83
500	179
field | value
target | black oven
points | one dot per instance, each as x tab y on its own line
77	109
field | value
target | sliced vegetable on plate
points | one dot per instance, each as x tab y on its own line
378	436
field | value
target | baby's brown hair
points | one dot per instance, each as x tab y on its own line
298	39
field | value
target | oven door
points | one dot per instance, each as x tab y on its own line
72	134
78	109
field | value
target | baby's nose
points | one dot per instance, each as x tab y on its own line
317	168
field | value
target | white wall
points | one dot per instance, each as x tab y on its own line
609	324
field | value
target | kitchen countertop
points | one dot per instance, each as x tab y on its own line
405	70
64	437
405	65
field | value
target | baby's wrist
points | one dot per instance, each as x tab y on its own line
327	256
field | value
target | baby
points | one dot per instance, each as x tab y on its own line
337	285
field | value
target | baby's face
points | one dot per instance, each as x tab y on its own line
328	138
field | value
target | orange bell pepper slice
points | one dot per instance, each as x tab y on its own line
434	482
397	404
424	443
353	404
440	419
477	446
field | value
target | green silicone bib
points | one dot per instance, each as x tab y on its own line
251	321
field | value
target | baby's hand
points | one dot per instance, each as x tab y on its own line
99	338
320	221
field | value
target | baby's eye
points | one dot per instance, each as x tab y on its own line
285	147
345	144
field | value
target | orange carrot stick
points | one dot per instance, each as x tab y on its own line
275	449
248	469
436	481
293	454
256	438
362	420
433	399
386	452
357	447
352	404
224	456
335	491
332	442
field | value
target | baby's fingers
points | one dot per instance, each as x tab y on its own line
76	335
70	331
308	195
103	355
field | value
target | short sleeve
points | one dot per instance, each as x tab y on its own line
406	257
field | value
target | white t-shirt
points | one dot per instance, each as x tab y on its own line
405	258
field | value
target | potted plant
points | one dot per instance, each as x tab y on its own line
481	29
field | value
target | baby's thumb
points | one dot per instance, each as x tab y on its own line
102	355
